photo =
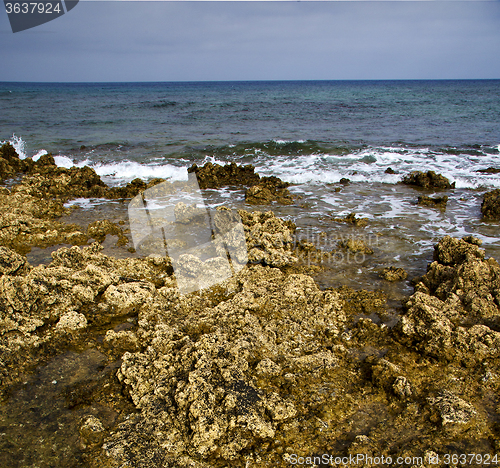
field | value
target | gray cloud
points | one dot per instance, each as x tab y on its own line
168	41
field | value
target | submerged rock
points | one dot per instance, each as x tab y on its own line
489	170
427	180
490	207
356	245
439	202
393	274
269	239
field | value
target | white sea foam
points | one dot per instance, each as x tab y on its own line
19	145
39	154
369	165
129	170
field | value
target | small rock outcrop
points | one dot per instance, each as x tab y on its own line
393	274
352	219
216	176
268	190
454	313
490	207
427	180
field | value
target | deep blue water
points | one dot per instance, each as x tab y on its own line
142	120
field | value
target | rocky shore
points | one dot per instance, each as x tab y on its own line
257	370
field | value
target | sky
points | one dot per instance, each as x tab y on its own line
199	41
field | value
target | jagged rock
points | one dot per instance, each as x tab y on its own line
402	387
217	176
124	298
454	312
490	207
439	202
269	239
11	263
132	189
452	409
202	385
427	180
393	274
268	190
122	341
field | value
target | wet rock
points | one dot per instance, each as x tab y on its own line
344	181
132	189
50	181
128	297
210	390
489	170
185	214
122	341
216	176
454	312
10	163
356	245
427	180
402	387
91	431
439	202
268	190
393	274
99	229
452	409
490	207
453	251
389	170
352	219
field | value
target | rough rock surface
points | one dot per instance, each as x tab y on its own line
269	239
79	287
261	366
393	274
427	180
490	207
268	190
217	382
216	176
356	245
454	313
439	202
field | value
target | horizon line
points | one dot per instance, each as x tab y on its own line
249	81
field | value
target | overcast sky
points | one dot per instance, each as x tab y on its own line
191	41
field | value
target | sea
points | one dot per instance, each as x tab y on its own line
308	133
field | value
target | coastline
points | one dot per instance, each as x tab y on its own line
264	366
